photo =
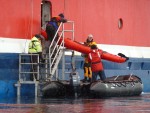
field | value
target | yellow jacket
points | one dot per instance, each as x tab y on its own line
91	43
35	46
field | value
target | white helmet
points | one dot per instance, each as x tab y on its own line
90	38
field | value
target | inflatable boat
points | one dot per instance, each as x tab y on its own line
53	89
127	85
116	86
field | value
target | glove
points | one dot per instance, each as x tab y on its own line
127	58
64	20
122	55
85	43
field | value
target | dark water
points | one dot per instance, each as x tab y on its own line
138	104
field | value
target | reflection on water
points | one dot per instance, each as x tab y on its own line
139	104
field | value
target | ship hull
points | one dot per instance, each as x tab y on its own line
20	20
9	73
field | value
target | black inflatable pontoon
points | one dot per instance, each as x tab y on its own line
124	85
127	85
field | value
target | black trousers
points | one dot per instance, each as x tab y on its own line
50	30
101	75
34	67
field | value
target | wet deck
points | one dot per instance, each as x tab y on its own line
138	104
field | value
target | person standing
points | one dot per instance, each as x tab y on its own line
51	30
52	26
35	47
87	66
94	57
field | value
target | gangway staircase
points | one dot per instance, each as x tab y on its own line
57	50
52	58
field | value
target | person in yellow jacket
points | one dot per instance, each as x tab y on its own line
87	66
35	47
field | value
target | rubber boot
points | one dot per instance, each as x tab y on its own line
90	80
85	79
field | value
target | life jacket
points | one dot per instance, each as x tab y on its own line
55	22
35	46
94	57
91	43
88	44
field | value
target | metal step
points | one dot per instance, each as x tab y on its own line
67	63
68	72
56	63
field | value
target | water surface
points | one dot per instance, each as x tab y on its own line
137	104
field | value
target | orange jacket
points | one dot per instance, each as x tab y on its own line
88	44
94	57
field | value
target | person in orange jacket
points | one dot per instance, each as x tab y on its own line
94	57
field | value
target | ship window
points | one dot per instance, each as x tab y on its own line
120	23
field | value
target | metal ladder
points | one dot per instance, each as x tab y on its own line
51	61
24	72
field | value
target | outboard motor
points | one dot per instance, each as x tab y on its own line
75	82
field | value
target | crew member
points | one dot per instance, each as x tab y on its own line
87	65
52	26
94	57
51	29
35	47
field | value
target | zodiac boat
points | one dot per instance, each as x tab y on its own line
127	85
116	86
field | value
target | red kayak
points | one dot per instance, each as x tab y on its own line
74	45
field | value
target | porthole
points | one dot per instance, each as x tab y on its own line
120	23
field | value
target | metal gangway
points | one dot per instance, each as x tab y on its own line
57	50
52	58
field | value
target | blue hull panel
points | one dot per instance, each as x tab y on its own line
9	72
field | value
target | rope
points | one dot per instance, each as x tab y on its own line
123	83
